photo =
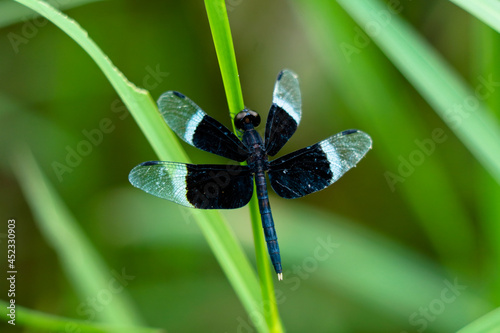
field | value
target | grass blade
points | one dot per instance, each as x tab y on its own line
489	323
221	33
137	100
219	25
218	235
339	259
488	45
12	13
375	104
399	282
82	262
487	11
43	322
459	106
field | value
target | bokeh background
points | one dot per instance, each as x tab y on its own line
412	236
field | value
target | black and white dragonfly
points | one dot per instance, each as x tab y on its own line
213	186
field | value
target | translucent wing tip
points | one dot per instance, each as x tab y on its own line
133	177
286	94
280	276
362	137
367	139
169	96
286	72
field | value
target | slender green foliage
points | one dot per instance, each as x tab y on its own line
219	25
348	265
12	13
221	34
448	94
81	261
221	240
378	107
42	322
489	323
487	11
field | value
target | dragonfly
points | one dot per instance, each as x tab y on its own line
218	186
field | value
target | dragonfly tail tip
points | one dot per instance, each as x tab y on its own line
280	276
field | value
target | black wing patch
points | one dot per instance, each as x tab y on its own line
198	129
285	113
315	167
204	186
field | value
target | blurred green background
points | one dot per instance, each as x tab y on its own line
413	231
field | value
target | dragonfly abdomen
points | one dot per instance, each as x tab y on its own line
268	223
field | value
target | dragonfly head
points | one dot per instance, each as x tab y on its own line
246	118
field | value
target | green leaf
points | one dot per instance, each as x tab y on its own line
460	107
487	11
487	46
371	270
489	323
81	261
221	33
43	322
12	13
218	235
138	101
360	74
332	256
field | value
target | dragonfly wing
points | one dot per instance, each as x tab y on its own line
313	168
204	186
198	129
285	113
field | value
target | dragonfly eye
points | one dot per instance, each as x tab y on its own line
246	117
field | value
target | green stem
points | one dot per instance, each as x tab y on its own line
43	322
487	323
221	33
219	25
221	240
265	270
